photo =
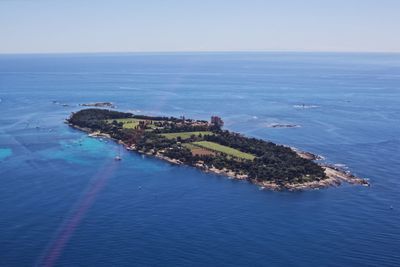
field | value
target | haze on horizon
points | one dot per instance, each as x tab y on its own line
52	26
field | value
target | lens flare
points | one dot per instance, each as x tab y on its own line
67	229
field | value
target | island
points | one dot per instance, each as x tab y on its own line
98	104
280	125
207	146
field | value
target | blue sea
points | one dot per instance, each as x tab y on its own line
65	201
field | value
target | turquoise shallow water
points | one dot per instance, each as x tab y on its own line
5	153
66	202
71	151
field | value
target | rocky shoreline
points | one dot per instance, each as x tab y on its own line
335	176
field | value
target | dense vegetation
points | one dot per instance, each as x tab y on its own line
189	141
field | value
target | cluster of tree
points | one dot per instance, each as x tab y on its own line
253	146
273	162
295	170
180	128
93	117
151	141
180	153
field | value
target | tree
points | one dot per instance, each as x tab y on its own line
217	122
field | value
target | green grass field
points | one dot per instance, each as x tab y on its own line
184	135
224	149
129	123
190	146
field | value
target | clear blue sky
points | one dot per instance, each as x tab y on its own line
30	26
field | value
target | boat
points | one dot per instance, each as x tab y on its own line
118	157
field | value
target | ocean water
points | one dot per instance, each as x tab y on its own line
64	201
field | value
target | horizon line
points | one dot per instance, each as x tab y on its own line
200	51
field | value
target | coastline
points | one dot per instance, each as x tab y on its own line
335	175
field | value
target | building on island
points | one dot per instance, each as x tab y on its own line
217	121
